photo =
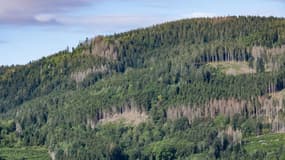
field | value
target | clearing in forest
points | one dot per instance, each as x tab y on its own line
31	153
233	67
265	143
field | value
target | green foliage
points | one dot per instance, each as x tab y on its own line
270	146
260	65
181	124
24	153
59	101
250	62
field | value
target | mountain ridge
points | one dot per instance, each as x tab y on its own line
189	108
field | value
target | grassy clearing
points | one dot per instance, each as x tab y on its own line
269	143
128	117
232	67
200	156
24	153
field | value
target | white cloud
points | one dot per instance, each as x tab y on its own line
44	17
27	12
105	20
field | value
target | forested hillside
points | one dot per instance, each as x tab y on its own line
203	88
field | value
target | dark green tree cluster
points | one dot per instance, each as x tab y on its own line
58	101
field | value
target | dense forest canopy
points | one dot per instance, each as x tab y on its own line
202	88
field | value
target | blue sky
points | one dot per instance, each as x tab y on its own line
31	29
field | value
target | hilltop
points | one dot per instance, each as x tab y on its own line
202	88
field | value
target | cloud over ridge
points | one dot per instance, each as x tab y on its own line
21	12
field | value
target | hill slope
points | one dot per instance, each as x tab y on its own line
153	93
